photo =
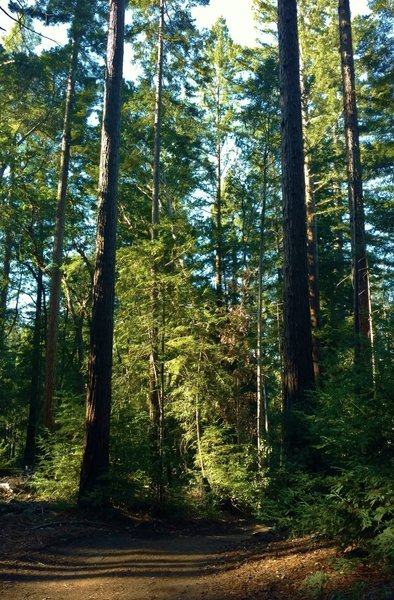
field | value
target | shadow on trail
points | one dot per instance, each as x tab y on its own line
115	565
128	556
124	556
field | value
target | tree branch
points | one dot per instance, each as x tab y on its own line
28	28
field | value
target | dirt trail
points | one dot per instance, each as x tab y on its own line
47	555
114	565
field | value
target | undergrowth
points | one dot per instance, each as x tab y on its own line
354	507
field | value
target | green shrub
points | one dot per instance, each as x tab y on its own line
60	454
313	585
355	506
228	467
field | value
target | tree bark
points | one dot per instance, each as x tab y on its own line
7	257
95	462
218	208
34	400
157	122
57	256
4	285
262	406
361	299
313	264
156	391
78	315
297	341
312	243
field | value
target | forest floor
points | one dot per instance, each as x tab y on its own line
52	554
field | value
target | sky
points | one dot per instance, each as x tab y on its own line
238	14
239	17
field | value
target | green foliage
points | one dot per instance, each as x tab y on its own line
198	390
130	456
15	373
344	565
349	492
60	453
355	506
228	467
5	460
363	501
313	585
57	475
354	594
383	544
360	590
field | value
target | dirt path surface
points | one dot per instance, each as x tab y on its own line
48	555
115	565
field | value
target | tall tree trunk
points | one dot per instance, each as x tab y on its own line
57	256
218	210
246	272
78	314
4	285
313	263
362	300
157	122
262	406
233	285
312	244
156	391
34	400
7	256
204	477
297	342
95	462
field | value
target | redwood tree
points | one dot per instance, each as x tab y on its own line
156	392
57	255
361	298
96	452
298	375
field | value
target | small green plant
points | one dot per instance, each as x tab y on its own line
355	593
384	543
313	585
344	565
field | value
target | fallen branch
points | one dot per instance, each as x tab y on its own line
60	523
